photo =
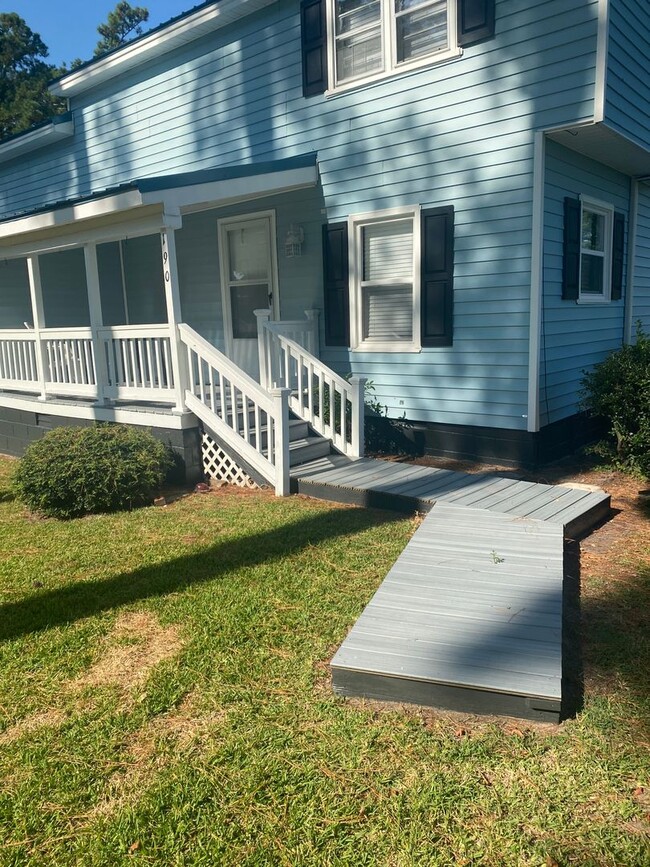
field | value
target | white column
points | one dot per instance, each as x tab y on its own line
358	384
38	316
173	302
96	317
282	463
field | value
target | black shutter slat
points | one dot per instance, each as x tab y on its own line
618	249
336	284
313	36
475	21
571	260
437	276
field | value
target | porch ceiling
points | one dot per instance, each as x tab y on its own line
148	204
605	145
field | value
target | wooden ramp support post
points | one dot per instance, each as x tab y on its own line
358	384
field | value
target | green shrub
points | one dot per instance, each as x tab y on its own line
618	389
75	471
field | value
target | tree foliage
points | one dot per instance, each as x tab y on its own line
24	74
123	22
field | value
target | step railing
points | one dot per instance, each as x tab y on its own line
332	405
251	420
18	365
138	364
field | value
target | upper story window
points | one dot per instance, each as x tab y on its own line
372	38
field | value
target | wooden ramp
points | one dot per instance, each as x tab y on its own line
409	487
469	618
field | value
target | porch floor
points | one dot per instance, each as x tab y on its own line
470	617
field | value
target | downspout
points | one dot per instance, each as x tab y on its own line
536	282
632	231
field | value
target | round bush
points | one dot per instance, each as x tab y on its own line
76	471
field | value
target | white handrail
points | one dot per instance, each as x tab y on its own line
249	419
332	405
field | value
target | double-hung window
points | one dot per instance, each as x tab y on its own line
385	251
371	38
595	251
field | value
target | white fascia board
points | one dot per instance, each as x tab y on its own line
197	196
71	213
38	138
160	41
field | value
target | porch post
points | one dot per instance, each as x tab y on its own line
96	317
281	445
313	341
36	297
263	316
358	384
173	302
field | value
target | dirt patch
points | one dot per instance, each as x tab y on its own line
44	720
137	643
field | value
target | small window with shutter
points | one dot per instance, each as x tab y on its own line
594	239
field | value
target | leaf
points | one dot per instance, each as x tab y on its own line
134	847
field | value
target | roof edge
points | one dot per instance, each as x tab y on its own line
178	31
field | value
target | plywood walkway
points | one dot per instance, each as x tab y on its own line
470	617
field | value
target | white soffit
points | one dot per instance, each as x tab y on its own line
160	41
603	144
37	138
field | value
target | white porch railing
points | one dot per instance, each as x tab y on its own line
18	367
69	361
251	420
332	405
138	362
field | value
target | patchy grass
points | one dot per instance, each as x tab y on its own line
164	700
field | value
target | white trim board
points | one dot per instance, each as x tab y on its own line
37	138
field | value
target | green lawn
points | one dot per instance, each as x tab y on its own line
164	700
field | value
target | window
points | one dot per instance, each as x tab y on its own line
371	38
386	288
595	251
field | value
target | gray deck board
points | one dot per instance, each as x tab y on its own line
473	605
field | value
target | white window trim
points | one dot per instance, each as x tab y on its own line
389	50
355	254
607	210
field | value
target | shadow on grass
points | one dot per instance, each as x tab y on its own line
74	602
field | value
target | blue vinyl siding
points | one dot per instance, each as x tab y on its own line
627	106
15	304
641	308
459	133
574	336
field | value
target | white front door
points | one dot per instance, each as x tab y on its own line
248	258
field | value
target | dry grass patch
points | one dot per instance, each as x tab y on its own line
137	643
46	719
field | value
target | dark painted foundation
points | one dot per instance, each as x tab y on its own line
499	445
19	428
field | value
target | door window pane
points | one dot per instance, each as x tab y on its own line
244	300
248	253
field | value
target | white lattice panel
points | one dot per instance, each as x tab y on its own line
218	465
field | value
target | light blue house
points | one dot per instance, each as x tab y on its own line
251	209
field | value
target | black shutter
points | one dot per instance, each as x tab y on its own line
437	276
336	284
313	36
618	248
571	260
475	21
